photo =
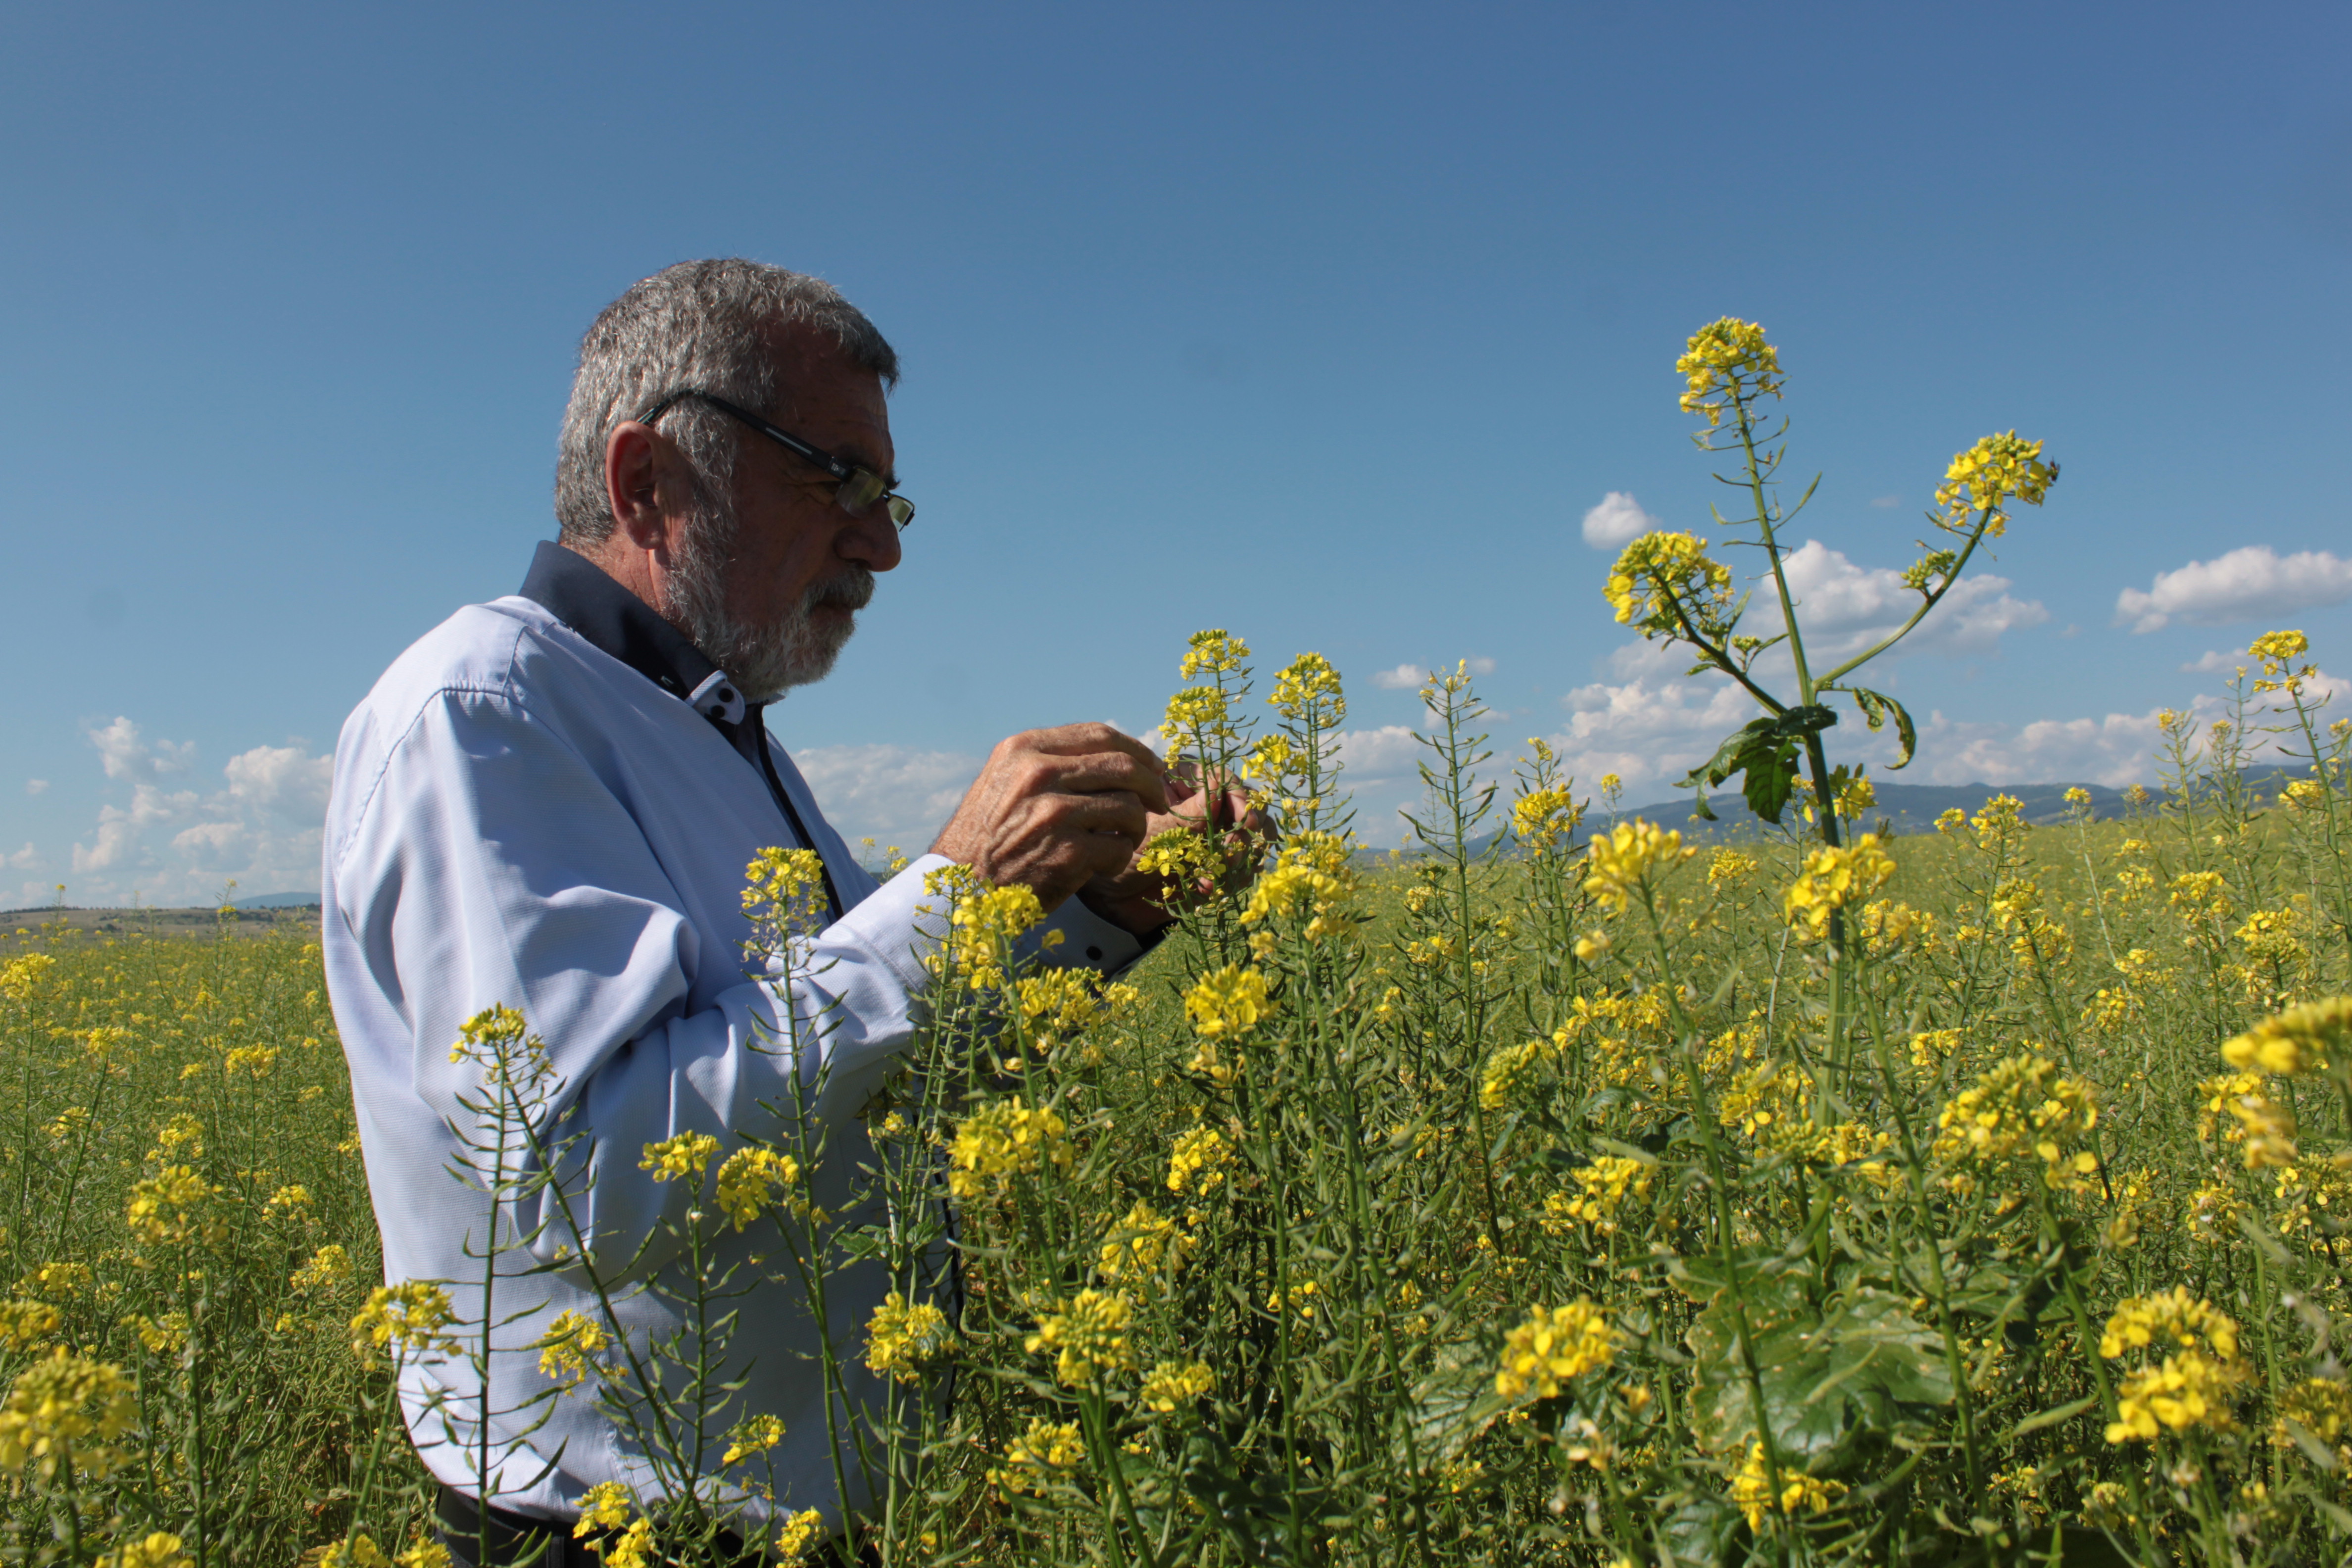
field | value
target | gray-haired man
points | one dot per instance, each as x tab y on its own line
547	803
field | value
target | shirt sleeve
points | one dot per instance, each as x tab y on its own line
491	865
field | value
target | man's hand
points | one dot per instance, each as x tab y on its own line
1056	809
1137	900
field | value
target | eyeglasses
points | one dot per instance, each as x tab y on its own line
860	489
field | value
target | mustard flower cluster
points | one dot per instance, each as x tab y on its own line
783	893
753	1180
2190	1371
1833	879
1600	1191
2021	1109
903	1336
1554	1346
408	1316
1140	1243
1659	572
798	1535
1752	1494
66	1411
2278	651
1228	1003
1001	1140
1086	1338
2302	1040
1173	1383
27	1325
1047	1450
1309	688
1541	819
161	1548
752	1436
568	1348
1198	1162
984	924
175	1207
1312	874
1728	364
1618	861
683	1156
1981	480
1213	652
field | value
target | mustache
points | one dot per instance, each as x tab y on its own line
851	588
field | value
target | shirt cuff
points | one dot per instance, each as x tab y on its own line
1088	940
899	924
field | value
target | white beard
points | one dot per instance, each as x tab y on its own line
766	661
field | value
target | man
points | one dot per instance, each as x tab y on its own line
547	804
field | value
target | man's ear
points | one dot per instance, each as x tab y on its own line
633	455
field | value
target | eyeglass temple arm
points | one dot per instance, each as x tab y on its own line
825	460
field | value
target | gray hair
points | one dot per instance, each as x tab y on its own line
702	324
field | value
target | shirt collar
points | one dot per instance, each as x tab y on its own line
583	597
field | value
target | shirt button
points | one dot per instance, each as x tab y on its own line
1094	954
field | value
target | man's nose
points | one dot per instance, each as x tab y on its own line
871	541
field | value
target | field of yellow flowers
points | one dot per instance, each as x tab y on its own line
1560	1192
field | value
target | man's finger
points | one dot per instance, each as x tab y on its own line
1098	772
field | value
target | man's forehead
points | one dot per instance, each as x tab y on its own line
815	375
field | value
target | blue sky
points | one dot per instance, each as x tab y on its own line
1328	324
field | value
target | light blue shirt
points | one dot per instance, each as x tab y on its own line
521	818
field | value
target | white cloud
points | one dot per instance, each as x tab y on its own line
1412	677
2247	584
2219	661
894	794
1844	608
1883	503
25	859
1615	522
119	830
128	756
36	786
1377	756
282	780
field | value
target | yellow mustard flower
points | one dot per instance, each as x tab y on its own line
904	1336
1086	1338
1622	860
408	1316
605	1506
1048	1449
752	1436
1003	1140
1752	1494
753	1180
64	1411
682	1157
1728	364
1833	879
1554	1346
800	1535
1174	1383
1197	1162
1982	479
1662	581
2300	1040
568	1348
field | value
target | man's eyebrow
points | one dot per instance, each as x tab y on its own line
857	456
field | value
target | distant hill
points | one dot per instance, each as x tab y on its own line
278	901
1908	808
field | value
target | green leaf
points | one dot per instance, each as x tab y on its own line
1876	709
2040	1419
1865	1364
